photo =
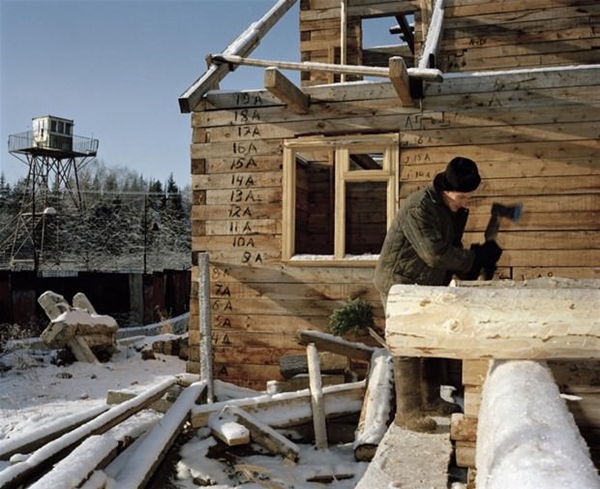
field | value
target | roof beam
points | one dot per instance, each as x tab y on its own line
244	44
280	86
433	37
400	80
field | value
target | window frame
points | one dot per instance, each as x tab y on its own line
387	144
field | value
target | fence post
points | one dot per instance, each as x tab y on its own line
206	356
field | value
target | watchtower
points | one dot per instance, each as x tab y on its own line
54	156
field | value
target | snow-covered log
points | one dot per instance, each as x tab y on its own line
75	469
30	441
263	434
526	436
289	408
375	415
15	475
228	430
495	322
155	445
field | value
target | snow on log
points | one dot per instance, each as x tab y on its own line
289	408
375	415
526	436
155	445
263	434
493	322
15	475
32	440
75	469
228	430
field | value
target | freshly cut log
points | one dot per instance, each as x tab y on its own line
495	322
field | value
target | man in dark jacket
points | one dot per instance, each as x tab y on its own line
423	246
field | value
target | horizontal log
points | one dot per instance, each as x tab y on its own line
515	322
263	434
503	439
289	408
29	442
336	344
13	476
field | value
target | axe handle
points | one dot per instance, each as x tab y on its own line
491	231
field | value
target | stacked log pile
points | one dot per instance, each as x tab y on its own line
547	321
81	449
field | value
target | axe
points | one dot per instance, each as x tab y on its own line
499	211
512	212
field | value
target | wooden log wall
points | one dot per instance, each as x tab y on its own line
534	135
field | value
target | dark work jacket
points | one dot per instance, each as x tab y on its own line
423	245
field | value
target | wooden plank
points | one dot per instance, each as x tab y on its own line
13	476
463	428
528	273
29	442
316	397
399	460
228	431
510	187
289	408
280	86
537	14
334	344
149	454
474	9
263	434
400	80
469	323
94	452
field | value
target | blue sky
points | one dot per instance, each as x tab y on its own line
117	68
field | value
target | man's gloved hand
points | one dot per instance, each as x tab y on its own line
486	257
488	253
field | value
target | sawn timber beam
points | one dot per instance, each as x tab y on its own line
280	86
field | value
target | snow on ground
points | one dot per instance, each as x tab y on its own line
35	395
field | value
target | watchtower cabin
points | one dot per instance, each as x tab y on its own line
294	185
53	133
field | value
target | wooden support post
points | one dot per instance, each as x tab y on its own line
206	355
400	80
376	413
295	99
316	396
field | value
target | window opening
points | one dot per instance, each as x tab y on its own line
339	196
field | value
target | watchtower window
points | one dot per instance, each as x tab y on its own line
339	196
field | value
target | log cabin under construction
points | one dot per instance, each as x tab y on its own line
294	186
